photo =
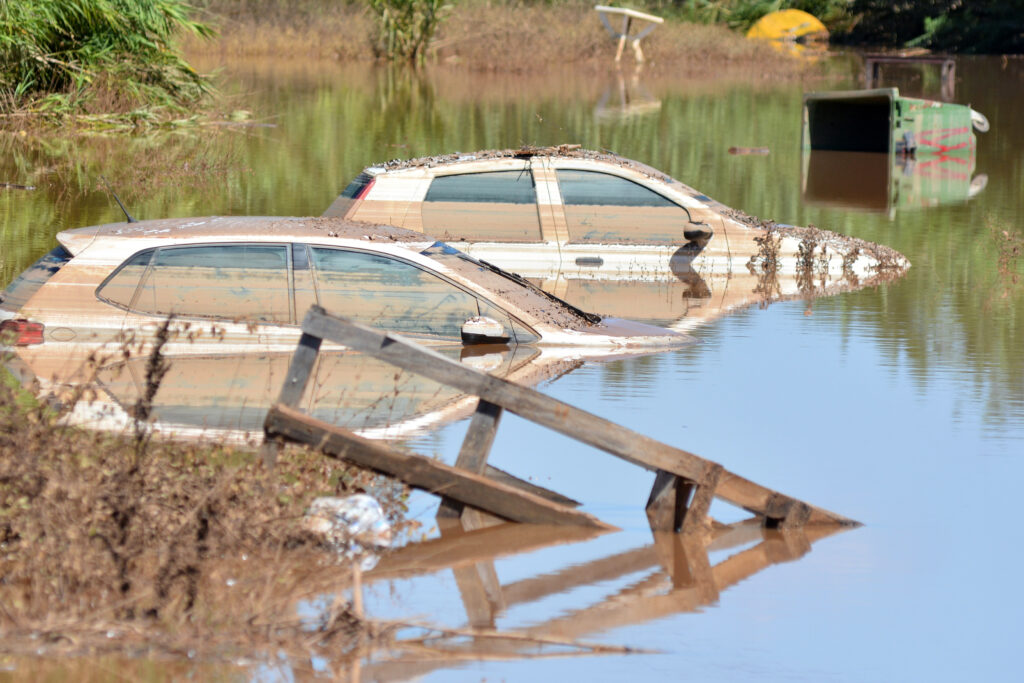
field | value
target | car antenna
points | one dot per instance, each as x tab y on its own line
118	200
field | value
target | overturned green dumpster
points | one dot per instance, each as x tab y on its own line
876	150
881	120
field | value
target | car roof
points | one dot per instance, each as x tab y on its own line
566	152
559	151
236	226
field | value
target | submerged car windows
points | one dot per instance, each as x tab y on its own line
498	206
233	282
390	294
605	208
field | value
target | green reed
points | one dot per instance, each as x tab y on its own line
90	56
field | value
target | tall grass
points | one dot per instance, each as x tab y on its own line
406	27
68	56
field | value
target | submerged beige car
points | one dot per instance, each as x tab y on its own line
237	289
541	210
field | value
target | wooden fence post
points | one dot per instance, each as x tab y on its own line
295	382
475	449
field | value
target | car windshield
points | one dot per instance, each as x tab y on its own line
525	295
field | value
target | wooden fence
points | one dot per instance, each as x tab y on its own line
684	486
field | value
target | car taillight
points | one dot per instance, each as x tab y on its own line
21	332
365	189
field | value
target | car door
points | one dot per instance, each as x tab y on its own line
616	225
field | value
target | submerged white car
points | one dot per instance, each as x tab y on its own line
256	277
238	288
537	211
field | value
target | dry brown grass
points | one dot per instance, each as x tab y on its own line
480	35
114	543
286	29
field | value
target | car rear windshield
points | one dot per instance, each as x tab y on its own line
28	283
349	195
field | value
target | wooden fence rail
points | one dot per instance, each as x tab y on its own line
684	486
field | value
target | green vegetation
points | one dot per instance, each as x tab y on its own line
742	14
406	27
96	56
981	26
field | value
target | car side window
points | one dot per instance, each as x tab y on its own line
496	206
605	208
391	294
120	288
245	282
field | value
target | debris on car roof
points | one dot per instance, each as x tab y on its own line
574	151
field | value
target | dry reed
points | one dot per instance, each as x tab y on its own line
483	36
110	542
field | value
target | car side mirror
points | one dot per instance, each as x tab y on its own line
483	330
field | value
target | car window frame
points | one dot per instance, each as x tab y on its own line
458	285
295	315
135	310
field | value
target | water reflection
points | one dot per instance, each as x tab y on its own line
225	397
671	575
888	182
630	99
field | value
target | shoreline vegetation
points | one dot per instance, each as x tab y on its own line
116	543
106	64
113	63
479	36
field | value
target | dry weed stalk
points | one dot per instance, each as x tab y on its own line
165	545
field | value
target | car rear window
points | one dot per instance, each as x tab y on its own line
347	198
502	187
28	283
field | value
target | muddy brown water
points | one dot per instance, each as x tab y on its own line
900	405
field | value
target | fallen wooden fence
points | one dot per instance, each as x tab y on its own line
683	488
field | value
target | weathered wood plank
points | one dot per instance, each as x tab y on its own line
299	370
424	473
544	410
492	472
663	502
762	500
475	449
624	443
479	437
695	514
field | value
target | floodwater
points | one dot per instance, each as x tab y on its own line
901	405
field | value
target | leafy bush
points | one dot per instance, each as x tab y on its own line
90	55
985	26
742	14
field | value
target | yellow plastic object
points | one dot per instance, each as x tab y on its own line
788	25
